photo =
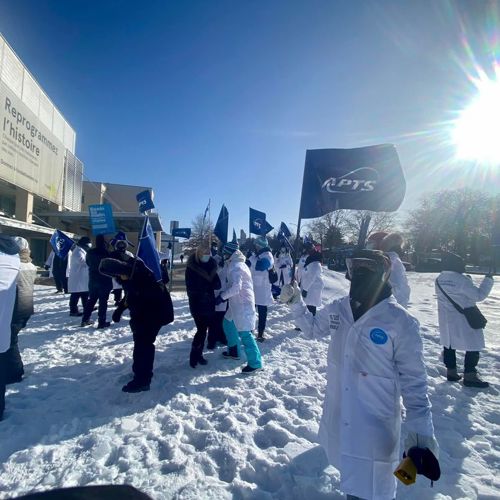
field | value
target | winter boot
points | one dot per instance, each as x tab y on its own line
248	369
101	326
135	386
260	337
202	360
86	323
231	353
452	375
471	379
193	358
76	314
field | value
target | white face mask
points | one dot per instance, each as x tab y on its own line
205	258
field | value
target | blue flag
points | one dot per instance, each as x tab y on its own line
283	235
145	201
222	225
367	178
181	232
147	250
258	223
61	243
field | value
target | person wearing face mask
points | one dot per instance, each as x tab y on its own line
260	263
375	357
201	281
311	282
78	279
120	244
284	265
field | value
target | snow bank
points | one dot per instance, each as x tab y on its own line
212	432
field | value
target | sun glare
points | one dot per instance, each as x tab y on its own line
476	133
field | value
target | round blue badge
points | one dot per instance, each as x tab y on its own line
378	336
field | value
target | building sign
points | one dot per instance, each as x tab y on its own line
101	219
31	157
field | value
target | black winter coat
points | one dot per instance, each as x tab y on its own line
148	301
96	279
201	281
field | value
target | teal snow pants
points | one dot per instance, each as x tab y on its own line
247	339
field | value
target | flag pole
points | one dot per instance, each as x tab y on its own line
146	215
209	227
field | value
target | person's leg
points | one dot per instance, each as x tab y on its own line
14	369
64	280
251	350
118	295
73	303
143	355
233	339
2	384
103	295
196	355
84	296
219	320
58	282
471	377
450	361
312	309
213	332
262	310
89	305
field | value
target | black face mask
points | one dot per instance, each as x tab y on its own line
366	285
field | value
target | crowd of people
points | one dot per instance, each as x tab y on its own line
375	355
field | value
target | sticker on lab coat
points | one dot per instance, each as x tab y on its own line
378	336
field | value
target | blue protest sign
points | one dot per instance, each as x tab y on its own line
145	201
182	232
101	219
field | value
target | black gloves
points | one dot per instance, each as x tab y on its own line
304	293
218	300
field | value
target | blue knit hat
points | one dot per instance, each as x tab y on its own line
261	242
230	247
121	236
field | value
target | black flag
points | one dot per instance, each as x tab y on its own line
369	178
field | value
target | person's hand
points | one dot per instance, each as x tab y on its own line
290	294
304	293
283	266
414	440
219	300
46	267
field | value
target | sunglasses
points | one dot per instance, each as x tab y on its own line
353	264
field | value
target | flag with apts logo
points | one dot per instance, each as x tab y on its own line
61	243
368	178
258	223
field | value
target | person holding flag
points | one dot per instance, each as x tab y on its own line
260	263
240	316
311	279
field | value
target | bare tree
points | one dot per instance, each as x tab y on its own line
380	221
328	230
201	229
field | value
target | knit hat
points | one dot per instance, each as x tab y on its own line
121	236
21	243
261	242
452	262
230	247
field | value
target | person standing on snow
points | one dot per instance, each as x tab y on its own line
311	282
150	308
240	316
78	279
260	263
120	244
375	356
392	245
23	310
454	330
284	265
100	286
201	281
9	270
300	267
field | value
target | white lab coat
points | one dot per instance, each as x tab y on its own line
9	270
398	280
312	282
285	274
371	363
78	279
261	284
455	332
48	263
300	268
222	273
239	293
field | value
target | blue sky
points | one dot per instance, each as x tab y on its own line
221	99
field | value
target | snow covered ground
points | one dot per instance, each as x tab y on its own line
212	432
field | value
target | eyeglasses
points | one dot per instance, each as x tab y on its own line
354	264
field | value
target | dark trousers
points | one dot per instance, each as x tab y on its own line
216	331
117	294
470	362
97	294
312	309
14	369
261	326
203	324
74	298
3	358
61	283
144	336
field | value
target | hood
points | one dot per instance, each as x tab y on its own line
237	257
8	245
392	242
313	257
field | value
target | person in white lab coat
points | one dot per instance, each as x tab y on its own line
283	266
455	332
78	279
311	281
375	357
